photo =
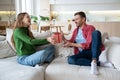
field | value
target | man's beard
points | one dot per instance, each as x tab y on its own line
79	25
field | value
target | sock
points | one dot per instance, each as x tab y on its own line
94	69
37	65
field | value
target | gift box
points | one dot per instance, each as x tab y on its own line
57	36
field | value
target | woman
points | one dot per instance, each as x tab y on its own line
24	43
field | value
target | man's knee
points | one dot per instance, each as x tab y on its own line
96	32
71	60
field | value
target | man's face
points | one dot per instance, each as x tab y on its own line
79	20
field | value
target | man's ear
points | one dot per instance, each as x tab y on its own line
83	19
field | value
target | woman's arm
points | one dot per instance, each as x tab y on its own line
24	37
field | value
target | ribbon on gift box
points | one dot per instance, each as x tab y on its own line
58	37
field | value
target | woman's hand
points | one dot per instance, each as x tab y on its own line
51	40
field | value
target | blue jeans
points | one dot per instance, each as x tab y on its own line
45	55
85	57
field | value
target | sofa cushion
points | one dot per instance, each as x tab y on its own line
114	55
2	38
11	70
6	50
115	39
59	69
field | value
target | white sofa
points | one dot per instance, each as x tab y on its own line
59	69
10	69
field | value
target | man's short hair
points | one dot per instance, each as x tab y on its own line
81	14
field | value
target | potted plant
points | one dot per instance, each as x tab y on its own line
35	25
44	20
34	18
36	22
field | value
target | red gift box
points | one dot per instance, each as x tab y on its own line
57	36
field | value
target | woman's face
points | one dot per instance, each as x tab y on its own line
26	20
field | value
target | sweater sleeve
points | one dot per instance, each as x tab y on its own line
24	37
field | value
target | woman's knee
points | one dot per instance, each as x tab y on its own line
50	48
25	61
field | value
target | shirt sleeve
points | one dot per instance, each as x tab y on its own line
88	38
24	37
73	36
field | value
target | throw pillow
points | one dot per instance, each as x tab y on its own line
2	38
6	50
9	33
104	54
114	55
104	36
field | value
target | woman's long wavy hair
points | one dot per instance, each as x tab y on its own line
19	23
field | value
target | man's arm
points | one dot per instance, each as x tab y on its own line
64	39
70	44
76	45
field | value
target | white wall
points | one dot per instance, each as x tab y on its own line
77	5
33	7
5	8
23	6
6	4
83	1
66	9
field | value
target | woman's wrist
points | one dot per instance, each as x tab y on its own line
48	39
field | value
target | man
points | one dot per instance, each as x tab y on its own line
86	42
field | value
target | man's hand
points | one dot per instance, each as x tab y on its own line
68	44
51	40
